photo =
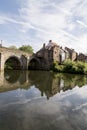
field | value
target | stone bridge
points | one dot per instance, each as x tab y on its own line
19	58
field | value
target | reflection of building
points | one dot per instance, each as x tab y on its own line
46	82
44	58
50	84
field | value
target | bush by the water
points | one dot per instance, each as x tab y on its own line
56	67
70	67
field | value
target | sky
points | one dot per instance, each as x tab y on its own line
34	22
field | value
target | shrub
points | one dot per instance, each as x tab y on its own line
56	67
70	67
80	67
85	69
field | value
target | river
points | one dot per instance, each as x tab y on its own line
42	100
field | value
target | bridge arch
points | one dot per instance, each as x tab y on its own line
13	62
34	64
37	63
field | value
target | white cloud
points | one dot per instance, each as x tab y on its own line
82	23
52	25
62	21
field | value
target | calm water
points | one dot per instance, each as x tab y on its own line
39	100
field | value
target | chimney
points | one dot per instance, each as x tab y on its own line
50	41
1	44
44	45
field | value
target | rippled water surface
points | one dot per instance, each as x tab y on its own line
38	100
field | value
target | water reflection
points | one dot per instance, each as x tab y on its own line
23	103
47	83
51	83
12	76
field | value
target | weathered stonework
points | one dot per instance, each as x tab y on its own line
82	57
19	58
45	57
71	54
41	60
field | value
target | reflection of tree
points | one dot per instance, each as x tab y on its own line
72	80
47	82
50	83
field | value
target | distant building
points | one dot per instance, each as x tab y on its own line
82	57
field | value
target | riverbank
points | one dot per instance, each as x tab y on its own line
73	67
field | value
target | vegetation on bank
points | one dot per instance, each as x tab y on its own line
75	67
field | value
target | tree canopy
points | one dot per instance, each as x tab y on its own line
26	48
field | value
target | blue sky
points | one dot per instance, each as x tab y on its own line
35	22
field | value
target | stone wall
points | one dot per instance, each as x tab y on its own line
82	57
71	54
20	56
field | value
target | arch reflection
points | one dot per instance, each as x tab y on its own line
46	82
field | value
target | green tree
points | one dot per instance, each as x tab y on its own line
26	48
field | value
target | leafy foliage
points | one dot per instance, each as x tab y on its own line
26	48
9	65
70	67
56	67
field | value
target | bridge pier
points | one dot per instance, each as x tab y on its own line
1	62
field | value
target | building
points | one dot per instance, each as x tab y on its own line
63	55
44	58
49	53
82	57
71	54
